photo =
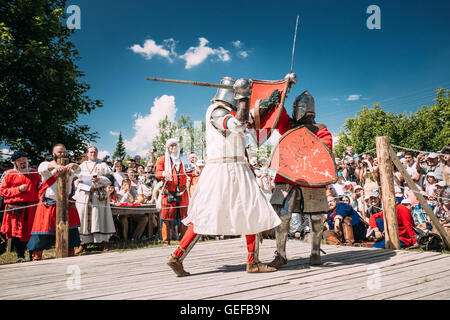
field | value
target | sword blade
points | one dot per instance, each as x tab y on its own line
293	46
193	83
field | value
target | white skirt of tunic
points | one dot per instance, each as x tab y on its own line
228	201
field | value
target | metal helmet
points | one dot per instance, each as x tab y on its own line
303	105
226	95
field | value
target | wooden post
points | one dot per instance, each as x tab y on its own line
419	197
363	204
62	208
388	194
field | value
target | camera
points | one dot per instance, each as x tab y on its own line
173	199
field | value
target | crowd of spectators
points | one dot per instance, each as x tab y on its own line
133	182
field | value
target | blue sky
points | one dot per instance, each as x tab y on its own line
338	59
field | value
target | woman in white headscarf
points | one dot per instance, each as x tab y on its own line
173	168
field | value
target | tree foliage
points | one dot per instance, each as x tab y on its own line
119	153
41	91
427	129
191	138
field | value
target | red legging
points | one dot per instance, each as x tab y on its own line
190	235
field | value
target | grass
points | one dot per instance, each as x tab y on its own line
116	246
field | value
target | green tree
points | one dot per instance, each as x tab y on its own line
166	130
191	138
120	149
426	129
41	91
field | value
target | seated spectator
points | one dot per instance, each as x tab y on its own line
339	186
430	185
440	189
346	200
145	187
357	198
118	174
345	225
126	195
405	228
132	176
374	204
348	188
431	164
193	159
331	191
442	212
398	194
420	216
112	194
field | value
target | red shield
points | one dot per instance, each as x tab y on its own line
301	157
261	89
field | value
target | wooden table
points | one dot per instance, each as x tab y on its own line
148	209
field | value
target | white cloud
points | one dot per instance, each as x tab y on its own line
335	99
150	49
353	97
103	153
237	43
196	55
243	54
113	133
146	127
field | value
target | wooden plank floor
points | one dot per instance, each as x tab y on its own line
218	272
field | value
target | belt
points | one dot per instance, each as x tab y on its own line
226	160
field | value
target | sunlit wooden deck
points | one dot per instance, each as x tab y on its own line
218	272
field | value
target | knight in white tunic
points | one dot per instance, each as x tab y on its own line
227	199
92	201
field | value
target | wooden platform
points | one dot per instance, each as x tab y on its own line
218	272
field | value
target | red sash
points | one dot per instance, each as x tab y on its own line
46	184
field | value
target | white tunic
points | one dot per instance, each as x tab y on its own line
227	199
102	224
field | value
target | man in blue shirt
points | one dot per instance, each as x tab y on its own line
344	224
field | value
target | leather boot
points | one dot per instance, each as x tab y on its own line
80	249
259	267
347	230
331	237
36	255
177	266
278	261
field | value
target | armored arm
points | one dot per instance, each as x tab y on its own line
222	120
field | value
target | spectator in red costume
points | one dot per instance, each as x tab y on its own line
405	227
20	191
44	225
